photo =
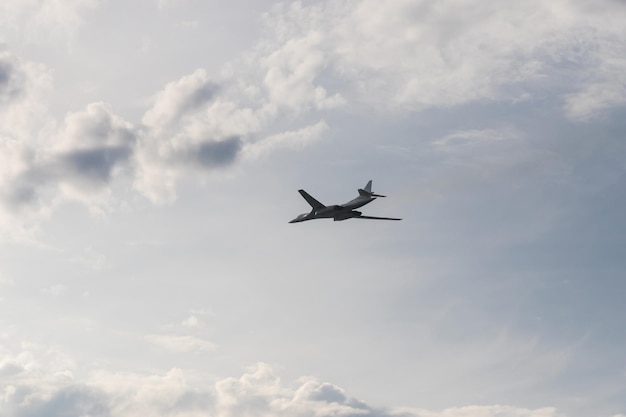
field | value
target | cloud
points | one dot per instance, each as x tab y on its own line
491	411
474	136
24	121
291	71
161	164
200	125
23	86
192	322
181	344
11	81
179	136
415	55
595	98
297	139
43	164
94	165
258	392
42	20
210	154
79	164
188	128
69	401
92	146
179	99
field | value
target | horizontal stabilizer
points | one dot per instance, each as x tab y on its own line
376	218
367	191
312	202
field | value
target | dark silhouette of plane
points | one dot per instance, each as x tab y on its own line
343	211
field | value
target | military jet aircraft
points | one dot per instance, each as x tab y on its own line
343	211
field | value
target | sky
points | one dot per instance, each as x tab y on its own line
150	157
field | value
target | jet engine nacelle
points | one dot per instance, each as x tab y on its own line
347	215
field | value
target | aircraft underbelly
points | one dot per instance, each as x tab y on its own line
326	212
345	215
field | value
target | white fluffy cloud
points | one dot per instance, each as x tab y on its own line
40	381
291	71
179	99
78	161
417	54
44	162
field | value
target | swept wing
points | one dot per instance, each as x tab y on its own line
312	202
376	218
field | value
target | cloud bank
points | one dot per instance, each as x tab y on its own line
41	381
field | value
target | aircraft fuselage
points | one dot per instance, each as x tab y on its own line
337	212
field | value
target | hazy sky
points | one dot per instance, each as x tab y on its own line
150	157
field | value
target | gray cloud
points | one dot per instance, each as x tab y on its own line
76	400
213	154
17	196
328	393
203	94
95	165
5	74
84	155
11	79
10	368
21	182
97	125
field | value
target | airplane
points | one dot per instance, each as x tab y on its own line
343	211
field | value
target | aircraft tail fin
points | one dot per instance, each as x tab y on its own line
367	191
312	202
